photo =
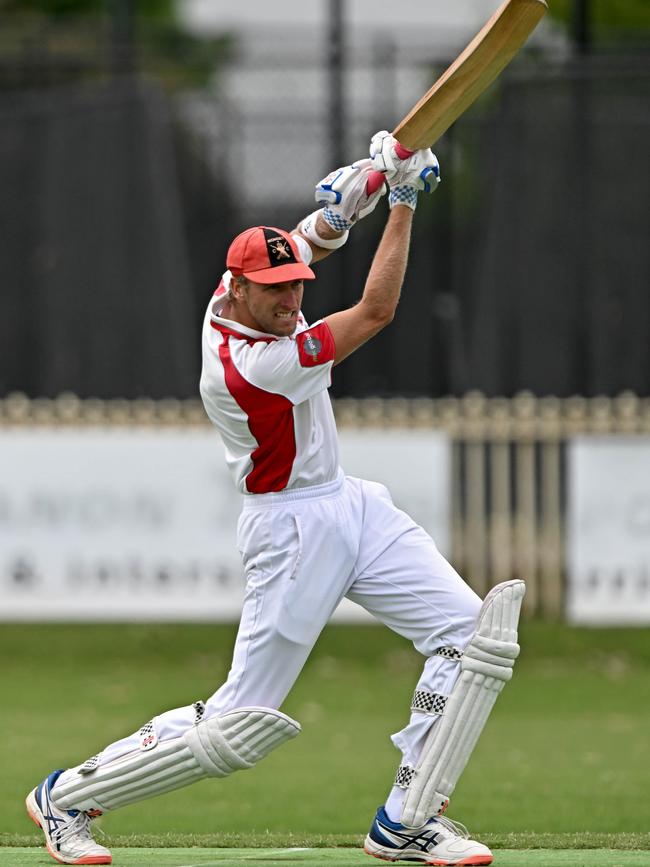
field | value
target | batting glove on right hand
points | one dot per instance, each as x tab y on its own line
344	195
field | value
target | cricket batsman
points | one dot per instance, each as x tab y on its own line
310	535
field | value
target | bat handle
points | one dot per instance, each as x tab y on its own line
402	152
376	179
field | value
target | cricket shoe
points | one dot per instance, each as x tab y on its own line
67	832
440	841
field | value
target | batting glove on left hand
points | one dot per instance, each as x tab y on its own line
407	183
344	196
420	172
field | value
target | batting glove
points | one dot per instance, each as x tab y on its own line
420	172
382	153
344	195
406	185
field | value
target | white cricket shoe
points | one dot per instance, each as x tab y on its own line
440	841
67	832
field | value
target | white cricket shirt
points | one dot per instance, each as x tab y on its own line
267	397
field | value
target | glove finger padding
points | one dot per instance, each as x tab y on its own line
421	171
344	196
383	154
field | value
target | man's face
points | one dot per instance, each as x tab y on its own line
270	307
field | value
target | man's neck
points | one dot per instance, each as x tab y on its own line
233	314
228	312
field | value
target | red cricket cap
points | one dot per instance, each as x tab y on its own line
265	254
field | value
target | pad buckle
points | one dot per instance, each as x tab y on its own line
90	765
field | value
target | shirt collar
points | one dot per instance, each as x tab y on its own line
217	306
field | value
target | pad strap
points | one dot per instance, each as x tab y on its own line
404	776
429	702
449	652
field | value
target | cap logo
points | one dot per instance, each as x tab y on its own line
278	249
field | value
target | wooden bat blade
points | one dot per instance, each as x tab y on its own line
471	73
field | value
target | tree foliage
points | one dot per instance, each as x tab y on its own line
611	20
77	38
160	9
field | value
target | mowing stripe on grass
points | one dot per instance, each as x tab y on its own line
31	857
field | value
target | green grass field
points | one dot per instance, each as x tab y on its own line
561	769
135	857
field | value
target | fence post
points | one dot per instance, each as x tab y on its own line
500	505
473	407
524	419
551	565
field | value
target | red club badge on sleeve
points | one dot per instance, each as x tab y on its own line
315	346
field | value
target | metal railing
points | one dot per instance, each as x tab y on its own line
508	467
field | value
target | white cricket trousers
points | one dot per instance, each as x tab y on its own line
303	551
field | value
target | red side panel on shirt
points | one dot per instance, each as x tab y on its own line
270	420
316	345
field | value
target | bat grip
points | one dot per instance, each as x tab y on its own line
376	179
402	152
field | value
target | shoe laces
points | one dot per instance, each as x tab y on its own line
455	828
79	826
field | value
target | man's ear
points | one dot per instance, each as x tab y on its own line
237	287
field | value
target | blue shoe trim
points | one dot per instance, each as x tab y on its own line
375	833
377	837
54	776
421	838
46	788
382	816
49	781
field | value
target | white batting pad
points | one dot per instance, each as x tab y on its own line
213	747
486	666
239	739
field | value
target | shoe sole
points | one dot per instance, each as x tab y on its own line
36	816
471	861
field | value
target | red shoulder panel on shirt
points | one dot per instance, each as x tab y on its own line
316	345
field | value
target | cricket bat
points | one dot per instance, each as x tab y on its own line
469	75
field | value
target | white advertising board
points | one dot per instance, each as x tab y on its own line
129	524
608	539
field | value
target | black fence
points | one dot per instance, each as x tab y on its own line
529	267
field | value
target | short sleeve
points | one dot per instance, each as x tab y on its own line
297	367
